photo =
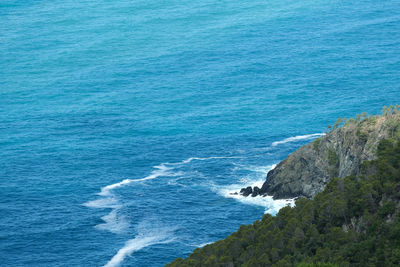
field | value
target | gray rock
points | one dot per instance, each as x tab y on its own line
337	154
246	191
256	191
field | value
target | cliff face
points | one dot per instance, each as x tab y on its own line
337	154
354	221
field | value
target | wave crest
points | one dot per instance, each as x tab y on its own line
271	205
297	138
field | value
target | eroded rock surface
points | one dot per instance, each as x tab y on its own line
337	154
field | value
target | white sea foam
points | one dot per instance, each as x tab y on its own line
105	191
297	138
257	179
160	170
148	235
114	222
102	203
271	206
117	223
256	169
203	244
202	159
176	182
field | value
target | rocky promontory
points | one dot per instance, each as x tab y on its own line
339	153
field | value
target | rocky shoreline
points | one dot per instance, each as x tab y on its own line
339	153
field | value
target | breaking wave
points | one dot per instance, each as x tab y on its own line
297	138
271	205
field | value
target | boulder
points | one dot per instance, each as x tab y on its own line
246	191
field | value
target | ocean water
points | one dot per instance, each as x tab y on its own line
125	125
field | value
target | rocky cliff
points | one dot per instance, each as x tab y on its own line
354	221
337	154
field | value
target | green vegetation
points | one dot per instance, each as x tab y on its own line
333	161
355	221
316	143
333	158
362	136
390	112
390	109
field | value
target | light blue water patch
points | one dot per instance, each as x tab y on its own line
125	125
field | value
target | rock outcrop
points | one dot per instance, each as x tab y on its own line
337	154
246	191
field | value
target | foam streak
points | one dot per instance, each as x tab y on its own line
297	138
195	158
157	236
160	170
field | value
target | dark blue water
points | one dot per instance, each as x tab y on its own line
124	125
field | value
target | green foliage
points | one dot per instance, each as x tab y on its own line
362	136
329	128
316	144
317	264
390	110
338	123
333	158
369	120
333	161
349	121
353	222
362	117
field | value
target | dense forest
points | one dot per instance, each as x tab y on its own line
355	221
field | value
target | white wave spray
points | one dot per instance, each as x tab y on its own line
297	138
271	206
116	223
160	170
148	234
195	158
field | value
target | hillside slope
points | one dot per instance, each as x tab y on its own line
354	221
337	154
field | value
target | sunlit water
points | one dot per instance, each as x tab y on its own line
125	125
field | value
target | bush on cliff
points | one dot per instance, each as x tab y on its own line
355	221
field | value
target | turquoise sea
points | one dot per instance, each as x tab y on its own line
125	125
